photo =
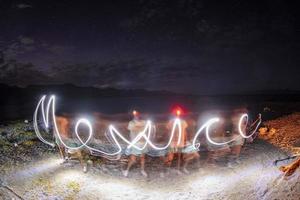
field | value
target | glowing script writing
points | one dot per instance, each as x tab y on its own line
47	110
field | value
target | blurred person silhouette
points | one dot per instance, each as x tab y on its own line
177	143
135	126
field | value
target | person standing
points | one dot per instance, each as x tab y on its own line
136	126
189	152
63	125
178	142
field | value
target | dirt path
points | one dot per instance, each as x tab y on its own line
254	177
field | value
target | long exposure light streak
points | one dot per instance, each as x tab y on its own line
114	133
35	124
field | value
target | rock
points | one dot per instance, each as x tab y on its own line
284	132
263	130
4	133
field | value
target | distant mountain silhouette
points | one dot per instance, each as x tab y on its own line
17	102
71	90
75	91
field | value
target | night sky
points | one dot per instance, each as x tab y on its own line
187	46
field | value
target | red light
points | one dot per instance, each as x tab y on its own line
178	111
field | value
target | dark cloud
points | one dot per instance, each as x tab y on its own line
26	40
23	6
20	74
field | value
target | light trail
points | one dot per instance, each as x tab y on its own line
113	133
35	124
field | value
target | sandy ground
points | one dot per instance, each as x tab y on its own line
30	170
254	177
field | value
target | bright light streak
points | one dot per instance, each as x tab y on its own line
204	126
210	122
45	118
114	133
177	123
90	134
240	125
